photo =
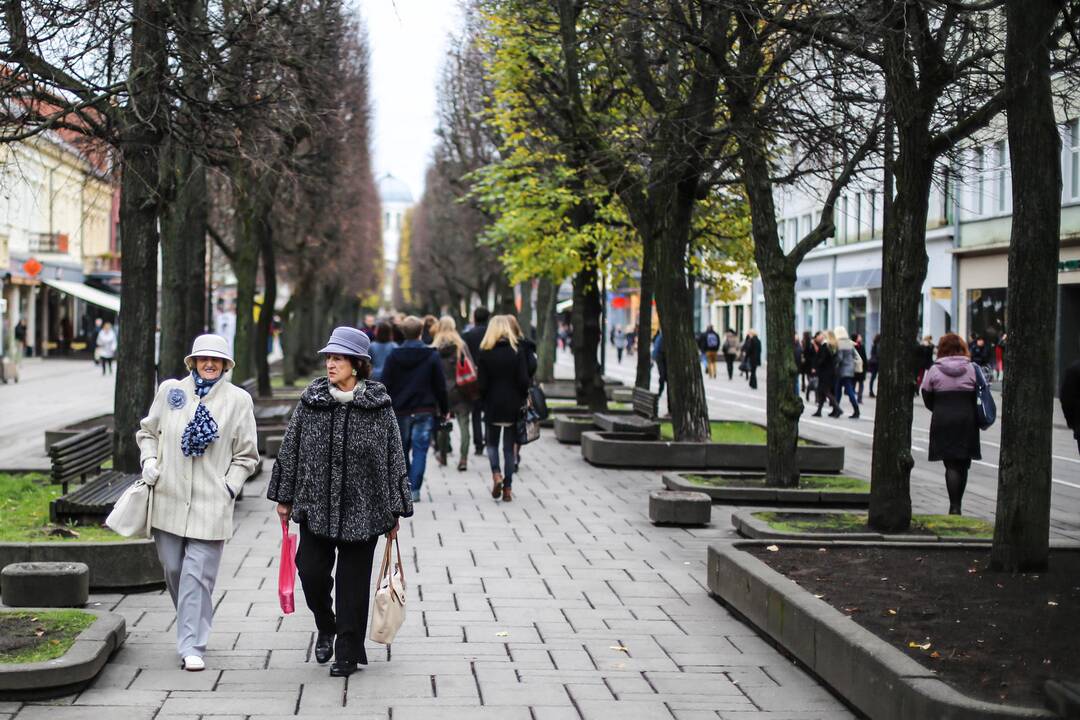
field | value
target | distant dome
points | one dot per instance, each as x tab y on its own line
393	190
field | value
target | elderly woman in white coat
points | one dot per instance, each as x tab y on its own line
197	448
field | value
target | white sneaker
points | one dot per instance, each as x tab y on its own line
193	663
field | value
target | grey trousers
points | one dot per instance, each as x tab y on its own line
191	568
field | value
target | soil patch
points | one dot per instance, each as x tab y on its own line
844	483
937	525
992	636
36	637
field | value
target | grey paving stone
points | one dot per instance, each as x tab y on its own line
608	709
118	697
231	703
85	712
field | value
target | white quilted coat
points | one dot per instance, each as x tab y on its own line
190	497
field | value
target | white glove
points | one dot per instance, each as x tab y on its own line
150	472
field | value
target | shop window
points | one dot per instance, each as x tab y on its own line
987	313
1074	158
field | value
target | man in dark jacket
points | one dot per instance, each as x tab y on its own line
1070	400
752	348
413	376
472	338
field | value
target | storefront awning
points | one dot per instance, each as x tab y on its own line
85	292
563	305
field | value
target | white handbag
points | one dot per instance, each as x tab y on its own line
130	515
388	608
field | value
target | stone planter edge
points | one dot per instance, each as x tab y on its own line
868	672
617	449
750	527
135	567
70	672
784	496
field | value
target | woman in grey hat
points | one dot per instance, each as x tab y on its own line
198	447
340	474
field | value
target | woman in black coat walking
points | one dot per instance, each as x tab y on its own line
825	371
340	474
503	367
948	391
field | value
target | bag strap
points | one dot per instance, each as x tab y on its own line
284	528
385	565
400	567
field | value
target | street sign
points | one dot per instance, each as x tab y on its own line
32	267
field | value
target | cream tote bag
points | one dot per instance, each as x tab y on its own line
130	515
388	608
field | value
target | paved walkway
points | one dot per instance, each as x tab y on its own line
50	393
566	604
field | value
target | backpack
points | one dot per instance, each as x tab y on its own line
985	407
858	362
712	341
465	378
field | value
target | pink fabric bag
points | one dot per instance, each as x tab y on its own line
287	570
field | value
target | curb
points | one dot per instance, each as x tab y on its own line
750	527
868	672
73	670
569	432
780	496
126	564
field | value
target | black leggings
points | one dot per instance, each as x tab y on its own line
956	475
493	432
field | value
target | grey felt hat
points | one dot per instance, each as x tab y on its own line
348	341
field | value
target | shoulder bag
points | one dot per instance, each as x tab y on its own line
985	407
388	608
465	378
132	511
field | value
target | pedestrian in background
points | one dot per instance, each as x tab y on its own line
925	358
618	339
473	337
846	360
428	333
197	447
872	363
860	368
106	347
20	339
731	352
948	390
1070	398
660	358
413	375
381	348
341	475
807	364
825	372
504	386
452	349
797	351
752	352
95	330
711	343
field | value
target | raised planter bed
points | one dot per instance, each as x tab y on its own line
630	450
120	565
747	488
568	428
564	389
837	625
70	672
55	435
760	524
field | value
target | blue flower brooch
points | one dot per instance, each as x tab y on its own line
177	398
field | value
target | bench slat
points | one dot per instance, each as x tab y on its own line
93	500
93	436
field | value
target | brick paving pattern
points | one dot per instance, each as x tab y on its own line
565	604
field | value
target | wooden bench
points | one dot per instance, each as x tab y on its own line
644	420
80	458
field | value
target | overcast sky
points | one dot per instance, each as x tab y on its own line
408	40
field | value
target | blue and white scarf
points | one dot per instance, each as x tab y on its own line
203	429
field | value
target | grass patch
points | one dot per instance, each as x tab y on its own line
840	483
727	432
24	505
561	403
278	381
40	636
940	525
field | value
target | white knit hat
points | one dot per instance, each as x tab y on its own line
213	346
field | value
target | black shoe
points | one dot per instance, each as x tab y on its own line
854	415
343	668
480	452
837	412
324	648
818	413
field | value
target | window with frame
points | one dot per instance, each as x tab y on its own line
1074	158
858	216
980	168
1001	156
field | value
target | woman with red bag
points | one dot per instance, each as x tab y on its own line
340	474
457	364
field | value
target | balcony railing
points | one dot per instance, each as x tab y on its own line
49	243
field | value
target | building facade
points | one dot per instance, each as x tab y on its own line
57	244
395	198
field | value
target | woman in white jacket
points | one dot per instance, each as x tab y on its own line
197	448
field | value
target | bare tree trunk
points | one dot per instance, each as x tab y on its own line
197	213
183	260
525	314
904	262
588	382
546	294
643	372
139	200
1022	526
246	270
263	335
675	303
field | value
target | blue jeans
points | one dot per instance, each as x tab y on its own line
848	386
416	437
507	433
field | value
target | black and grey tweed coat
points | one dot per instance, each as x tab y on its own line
341	466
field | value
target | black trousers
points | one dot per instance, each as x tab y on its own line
314	562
